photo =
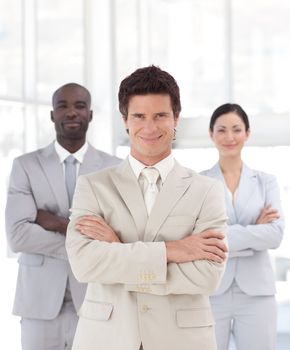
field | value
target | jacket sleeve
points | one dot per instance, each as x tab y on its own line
23	234
241	253
200	276
109	263
260	236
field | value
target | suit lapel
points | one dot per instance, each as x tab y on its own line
129	189
92	161
246	189
177	182
52	168
216	173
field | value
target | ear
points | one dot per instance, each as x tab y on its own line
248	133
51	116
91	116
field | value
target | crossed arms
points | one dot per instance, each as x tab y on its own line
110	253
207	245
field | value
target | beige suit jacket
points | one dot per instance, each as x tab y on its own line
133	295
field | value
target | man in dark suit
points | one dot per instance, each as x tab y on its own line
39	198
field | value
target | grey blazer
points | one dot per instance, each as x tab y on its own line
249	263
37	182
133	295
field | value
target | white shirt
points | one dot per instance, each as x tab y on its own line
164	167
233	196
63	154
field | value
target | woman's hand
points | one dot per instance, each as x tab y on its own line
267	215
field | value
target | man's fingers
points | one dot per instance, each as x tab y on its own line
90	218
91	221
216	251
215	258
92	235
216	243
212	234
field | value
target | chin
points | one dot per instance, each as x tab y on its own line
75	136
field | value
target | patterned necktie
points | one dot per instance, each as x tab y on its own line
150	193
70	176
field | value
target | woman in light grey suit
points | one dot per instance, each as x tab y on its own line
244	304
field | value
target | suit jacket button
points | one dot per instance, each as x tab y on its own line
144	308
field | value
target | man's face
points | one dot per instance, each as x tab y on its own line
150	123
71	113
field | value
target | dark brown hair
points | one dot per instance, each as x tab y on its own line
149	80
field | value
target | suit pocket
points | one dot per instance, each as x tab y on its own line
31	259
199	317
94	310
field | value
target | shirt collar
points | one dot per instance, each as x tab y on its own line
164	166
63	153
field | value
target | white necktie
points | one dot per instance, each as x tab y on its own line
150	193
70	176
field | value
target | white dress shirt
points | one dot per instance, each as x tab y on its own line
164	167
63	154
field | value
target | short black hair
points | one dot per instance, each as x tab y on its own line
71	85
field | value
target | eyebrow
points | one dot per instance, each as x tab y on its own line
234	126
165	113
157	113
60	101
65	101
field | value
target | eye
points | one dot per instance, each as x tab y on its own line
138	116
61	106
161	115
80	106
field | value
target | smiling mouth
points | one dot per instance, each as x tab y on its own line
150	139
72	124
229	146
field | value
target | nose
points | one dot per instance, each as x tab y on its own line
229	136
150	126
71	112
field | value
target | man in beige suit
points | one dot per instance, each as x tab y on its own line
151	252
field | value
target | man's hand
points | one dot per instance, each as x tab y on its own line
207	245
267	215
51	222
96	227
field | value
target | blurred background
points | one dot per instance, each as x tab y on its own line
219	51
